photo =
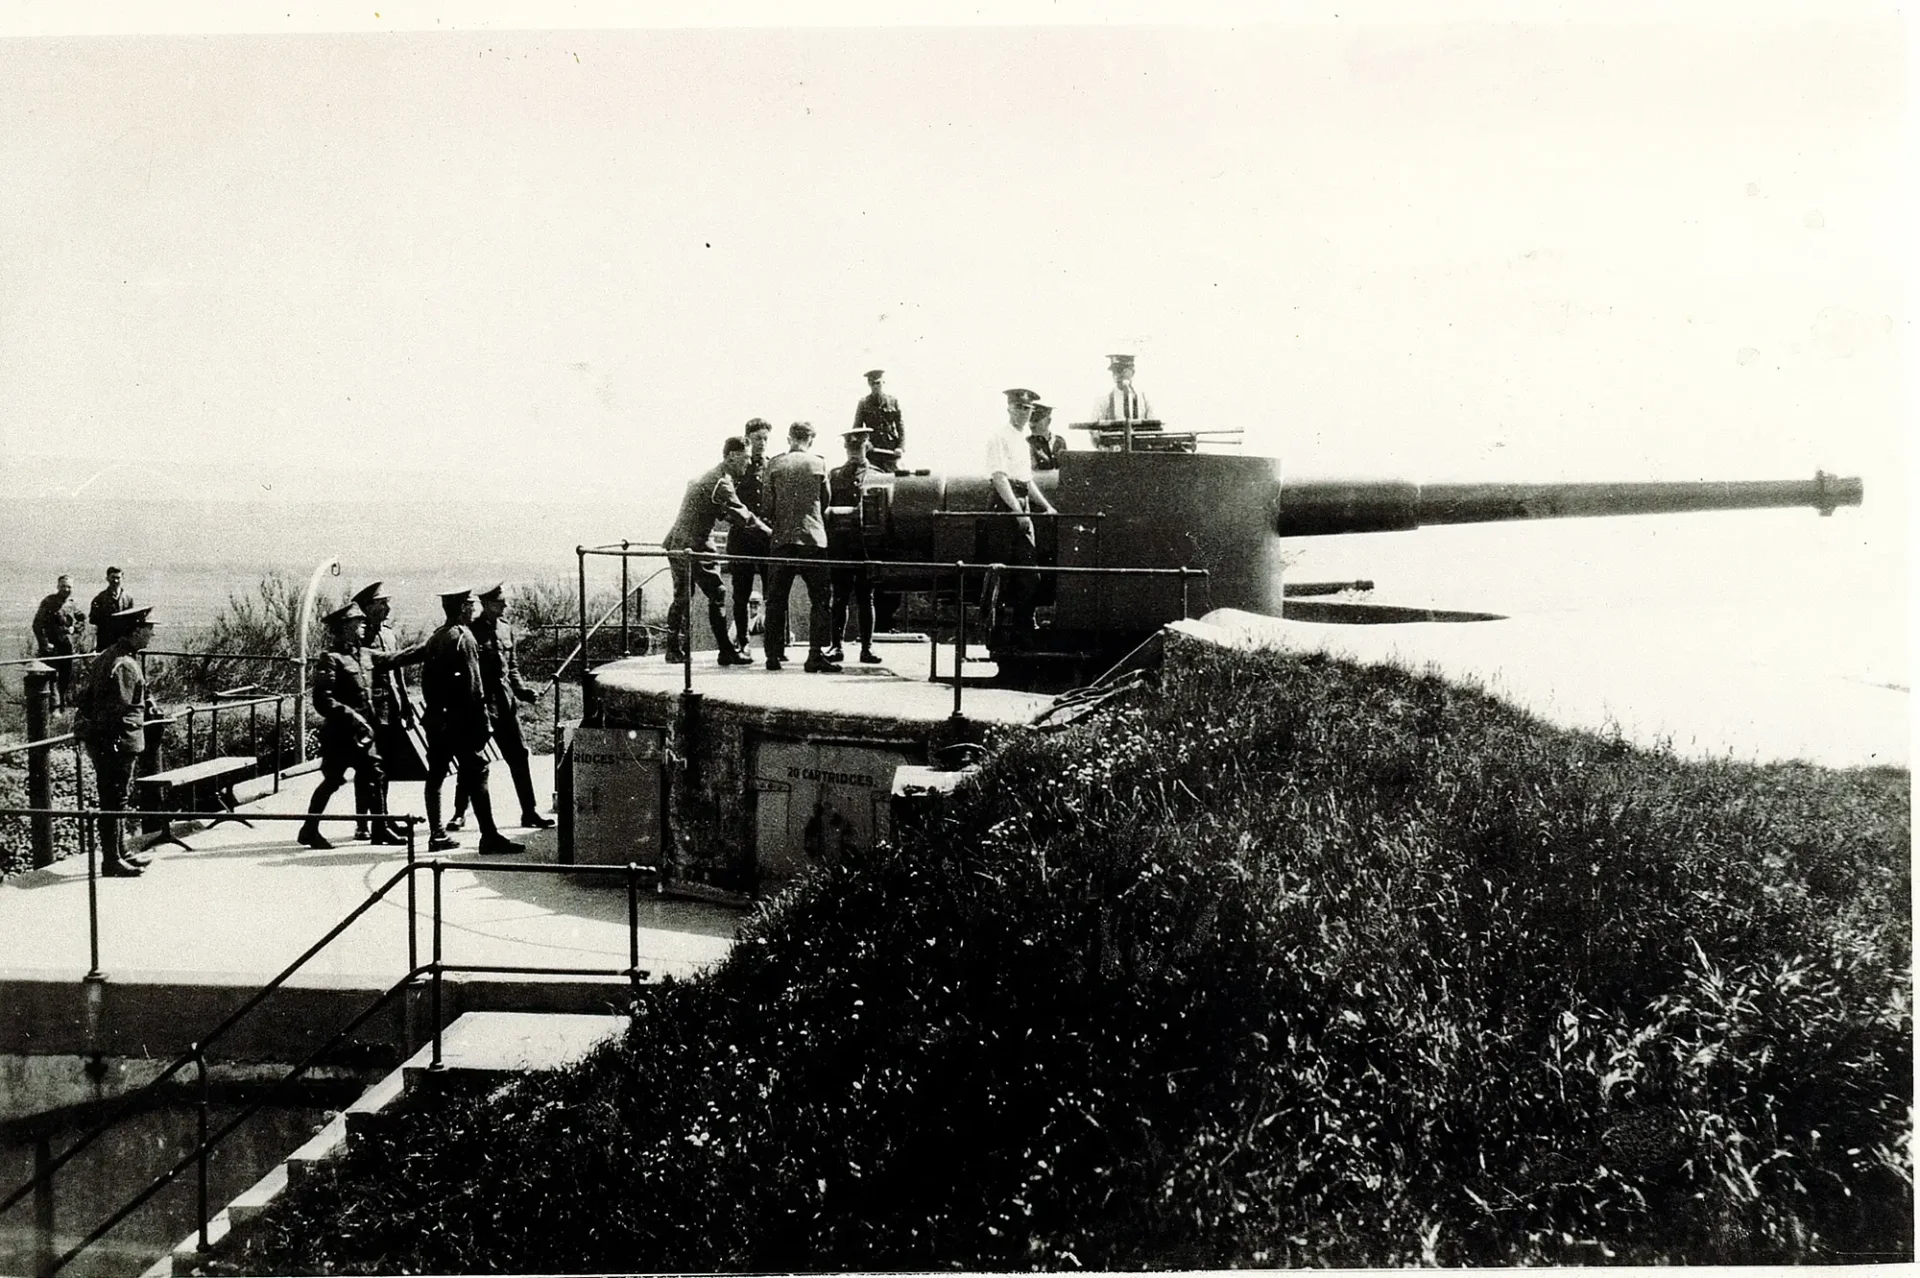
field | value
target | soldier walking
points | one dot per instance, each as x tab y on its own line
392	714
505	690
57	624
343	694
111	719
708	500
458	723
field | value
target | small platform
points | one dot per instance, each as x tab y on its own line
858	698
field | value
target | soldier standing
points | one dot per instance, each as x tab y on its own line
458	724
846	483
708	500
343	694
57	624
505	690
1044	446
797	492
879	413
392	715
744	539
100	614
1010	471
111	718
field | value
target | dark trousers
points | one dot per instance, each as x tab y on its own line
819	595
369	782
513	753
471	765
112	783
852	590
741	574
1017	591
62	672
686	575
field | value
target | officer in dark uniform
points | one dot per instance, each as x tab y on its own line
879	413
343	694
105	607
1045	446
494	633
393	716
708	500
744	539
110	716
458	722
845	540
57	624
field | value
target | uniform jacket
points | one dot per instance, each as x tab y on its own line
881	415
390	702
1122	406
498	668
1045	450
745	539
343	694
845	485
56	624
455	689
797	492
100	615
709	499
111	708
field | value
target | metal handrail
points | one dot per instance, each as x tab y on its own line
435	970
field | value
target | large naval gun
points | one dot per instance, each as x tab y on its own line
1224	513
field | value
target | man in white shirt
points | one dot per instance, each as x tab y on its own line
1123	403
1010	472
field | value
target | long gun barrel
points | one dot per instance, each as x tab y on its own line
1322	508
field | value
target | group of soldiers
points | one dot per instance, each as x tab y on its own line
60	628
470	680
790	509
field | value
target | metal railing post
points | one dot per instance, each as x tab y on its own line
190	711
633	927
580	554
253	732
200	1063
38	683
438	867
960	638
279	735
413	895
1186	605
625	590
93	899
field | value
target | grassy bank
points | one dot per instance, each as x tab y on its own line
1293	963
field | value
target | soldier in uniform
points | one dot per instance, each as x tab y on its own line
851	586
797	492
110	718
1123	403
879	413
57	624
343	694
1010	472
105	606
458	722
494	634
708	500
1042	443
743	539
393	715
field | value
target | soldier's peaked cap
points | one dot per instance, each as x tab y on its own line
1020	395
494	591
1119	361
875	374
454	594
346	612
369	593
135	616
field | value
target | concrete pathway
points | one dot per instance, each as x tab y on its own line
242	903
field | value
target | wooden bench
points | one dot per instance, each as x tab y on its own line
204	785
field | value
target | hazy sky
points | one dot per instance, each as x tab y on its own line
1572	248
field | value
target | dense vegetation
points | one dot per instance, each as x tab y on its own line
1293	963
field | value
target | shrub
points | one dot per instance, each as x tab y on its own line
1294	963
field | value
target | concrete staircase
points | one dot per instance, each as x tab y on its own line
478	1050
